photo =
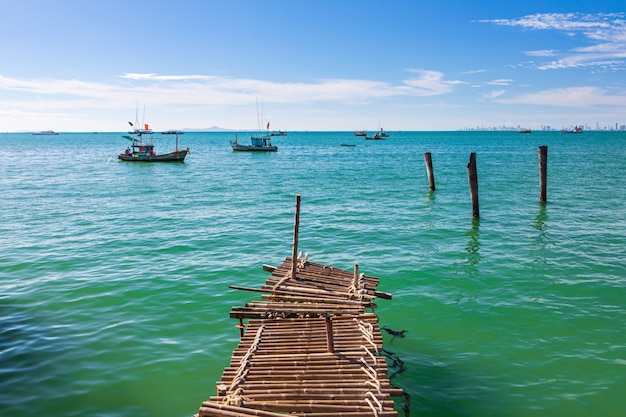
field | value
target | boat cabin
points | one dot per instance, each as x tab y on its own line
143	149
261	141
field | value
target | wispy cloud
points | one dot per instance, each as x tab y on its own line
209	90
583	97
71	102
156	77
494	94
501	81
475	71
430	83
606	32
543	52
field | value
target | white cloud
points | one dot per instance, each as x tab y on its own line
543	52
475	71
202	89
607	32
155	77
501	81
430	83
494	94
583	97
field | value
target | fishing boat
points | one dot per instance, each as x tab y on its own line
279	133
173	132
45	132
382	133
257	144
524	130
360	133
577	129
142	149
377	136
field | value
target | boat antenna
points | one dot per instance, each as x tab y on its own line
258	120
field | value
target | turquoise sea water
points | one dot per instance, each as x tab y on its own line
114	276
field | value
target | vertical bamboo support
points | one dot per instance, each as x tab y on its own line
330	342
543	173
472	178
241	327
429	169
296	226
356	272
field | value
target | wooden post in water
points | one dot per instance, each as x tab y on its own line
472	178
429	169
296	226
543	173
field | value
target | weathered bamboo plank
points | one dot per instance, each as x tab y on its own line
309	348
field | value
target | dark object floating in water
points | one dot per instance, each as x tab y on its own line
395	333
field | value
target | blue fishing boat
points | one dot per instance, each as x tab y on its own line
257	144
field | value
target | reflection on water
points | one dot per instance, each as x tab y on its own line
473	247
541	241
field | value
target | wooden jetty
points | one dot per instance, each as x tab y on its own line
310	347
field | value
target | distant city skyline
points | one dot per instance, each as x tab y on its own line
317	65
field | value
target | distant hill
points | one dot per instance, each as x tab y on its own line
208	129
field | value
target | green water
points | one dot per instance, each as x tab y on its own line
114	297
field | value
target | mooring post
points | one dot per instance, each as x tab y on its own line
330	343
429	169
543	173
296	226
472	178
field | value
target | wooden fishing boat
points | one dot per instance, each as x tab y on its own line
257	144
380	135
376	136
142	149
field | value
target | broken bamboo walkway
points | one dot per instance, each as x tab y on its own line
310	347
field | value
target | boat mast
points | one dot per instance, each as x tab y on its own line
258	120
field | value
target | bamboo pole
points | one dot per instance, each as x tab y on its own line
296	226
429	169
472	178
543	173
330	341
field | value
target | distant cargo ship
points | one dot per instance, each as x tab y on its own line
46	132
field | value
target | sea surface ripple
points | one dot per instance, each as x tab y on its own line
114	277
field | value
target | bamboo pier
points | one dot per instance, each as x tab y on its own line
310	347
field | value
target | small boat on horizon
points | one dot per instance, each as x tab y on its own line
380	135
45	132
279	133
524	130
577	129
360	133
173	132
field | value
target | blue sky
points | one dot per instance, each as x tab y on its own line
76	65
